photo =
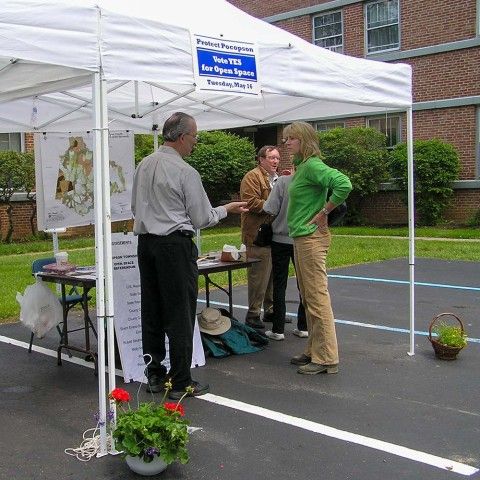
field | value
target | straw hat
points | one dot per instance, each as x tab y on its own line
211	321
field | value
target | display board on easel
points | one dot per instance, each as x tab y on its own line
128	327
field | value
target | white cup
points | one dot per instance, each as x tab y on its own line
61	258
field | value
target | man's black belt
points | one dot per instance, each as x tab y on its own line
177	233
183	233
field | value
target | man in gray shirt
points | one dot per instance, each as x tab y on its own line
169	203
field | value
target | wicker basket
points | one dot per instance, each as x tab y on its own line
444	352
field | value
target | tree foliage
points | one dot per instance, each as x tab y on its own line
436	166
17	173
361	154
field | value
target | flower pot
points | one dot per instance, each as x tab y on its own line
442	351
138	465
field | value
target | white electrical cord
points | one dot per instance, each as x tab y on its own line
89	447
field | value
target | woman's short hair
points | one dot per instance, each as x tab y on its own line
177	124
262	153
308	138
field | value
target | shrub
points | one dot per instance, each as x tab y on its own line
361	154
222	159
474	221
144	146
436	166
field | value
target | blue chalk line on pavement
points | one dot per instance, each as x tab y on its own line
347	322
406	282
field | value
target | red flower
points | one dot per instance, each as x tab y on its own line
174	407
119	395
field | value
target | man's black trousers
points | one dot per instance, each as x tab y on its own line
169	289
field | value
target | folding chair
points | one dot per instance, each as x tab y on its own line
73	298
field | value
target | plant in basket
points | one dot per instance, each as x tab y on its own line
152	431
447	339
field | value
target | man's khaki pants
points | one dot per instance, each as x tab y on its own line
310	255
260	286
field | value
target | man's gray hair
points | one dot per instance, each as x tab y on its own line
178	124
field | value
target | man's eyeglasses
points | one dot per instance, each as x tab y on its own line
193	136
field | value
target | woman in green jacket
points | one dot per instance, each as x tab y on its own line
307	218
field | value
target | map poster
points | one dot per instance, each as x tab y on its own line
64	178
128	325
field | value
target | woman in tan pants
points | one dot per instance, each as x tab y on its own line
308	225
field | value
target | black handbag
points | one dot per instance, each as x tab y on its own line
337	214
264	235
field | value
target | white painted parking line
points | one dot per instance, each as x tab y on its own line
415	455
53	353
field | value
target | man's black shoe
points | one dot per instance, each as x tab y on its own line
198	389
156	384
255	322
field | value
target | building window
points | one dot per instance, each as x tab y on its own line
382	25
11	141
325	126
389	126
328	31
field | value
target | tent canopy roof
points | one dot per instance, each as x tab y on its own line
50	48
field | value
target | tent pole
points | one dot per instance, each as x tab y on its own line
107	244
55	232
99	262
411	228
135	84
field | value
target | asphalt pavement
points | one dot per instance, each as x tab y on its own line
386	415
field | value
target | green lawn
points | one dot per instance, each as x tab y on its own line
350	246
425	232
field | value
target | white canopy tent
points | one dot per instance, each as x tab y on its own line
76	65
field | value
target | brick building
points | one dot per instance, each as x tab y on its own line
440	39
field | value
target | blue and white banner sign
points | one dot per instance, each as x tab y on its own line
225	65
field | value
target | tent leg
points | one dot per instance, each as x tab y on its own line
99	260
107	250
411	229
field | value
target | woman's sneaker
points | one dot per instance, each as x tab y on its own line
275	336
300	333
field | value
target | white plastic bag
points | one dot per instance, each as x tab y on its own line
40	308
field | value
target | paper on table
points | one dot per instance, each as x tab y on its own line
206	262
